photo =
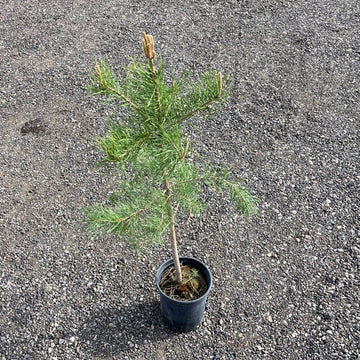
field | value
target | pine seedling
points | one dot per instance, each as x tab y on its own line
147	143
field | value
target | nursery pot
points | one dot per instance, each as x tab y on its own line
183	315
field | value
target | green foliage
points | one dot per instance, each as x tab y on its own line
243	202
135	215
148	145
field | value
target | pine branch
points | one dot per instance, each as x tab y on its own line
244	203
206	91
127	218
105	82
194	206
121	144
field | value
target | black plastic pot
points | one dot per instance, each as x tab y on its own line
183	315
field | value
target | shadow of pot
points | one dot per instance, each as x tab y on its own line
183	315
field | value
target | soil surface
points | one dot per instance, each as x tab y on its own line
286	282
192	287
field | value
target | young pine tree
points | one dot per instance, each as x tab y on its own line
148	144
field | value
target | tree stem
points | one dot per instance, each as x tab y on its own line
173	242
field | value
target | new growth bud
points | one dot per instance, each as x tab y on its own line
148	45
99	76
220	83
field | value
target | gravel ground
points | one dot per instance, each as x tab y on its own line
286	282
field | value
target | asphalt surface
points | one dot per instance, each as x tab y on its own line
286	282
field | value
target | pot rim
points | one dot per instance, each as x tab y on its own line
165	265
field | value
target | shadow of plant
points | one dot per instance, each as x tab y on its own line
112	331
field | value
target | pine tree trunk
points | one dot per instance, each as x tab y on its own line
173	242
175	253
